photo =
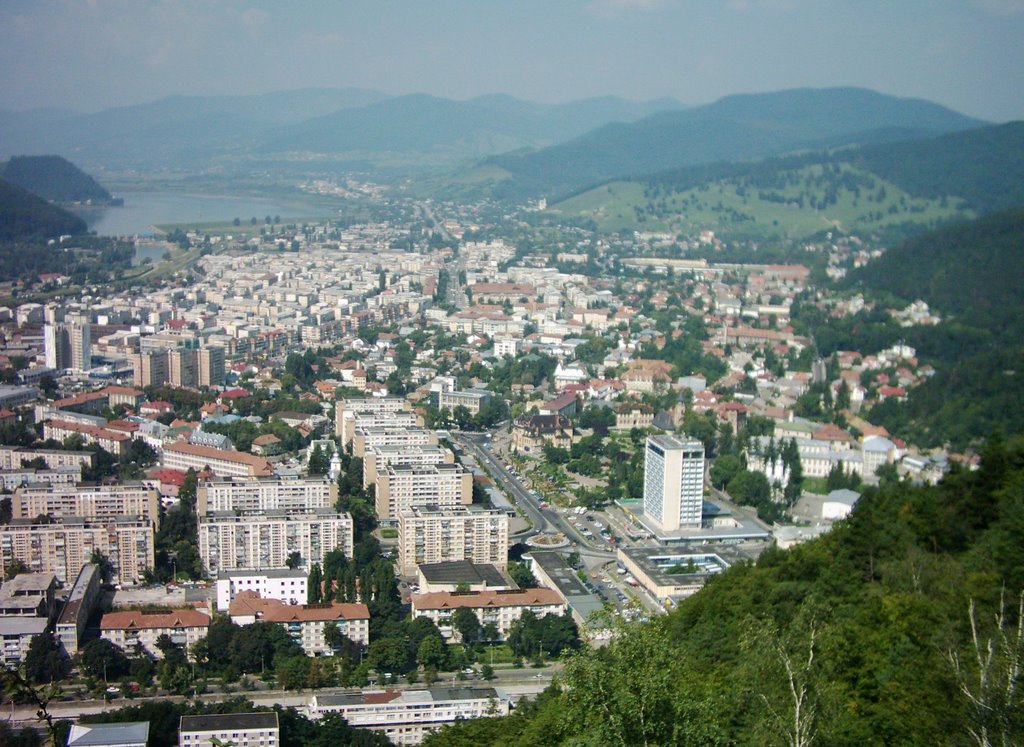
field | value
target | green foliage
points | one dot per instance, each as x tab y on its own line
54	178
724	470
520	573
548	635
46	660
26	216
101	659
870	628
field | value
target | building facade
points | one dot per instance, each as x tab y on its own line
500	608
267	539
428	535
404	486
63	546
236	729
306	624
88	500
290	586
266	493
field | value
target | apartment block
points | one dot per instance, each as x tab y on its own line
350	413
89	500
16	634
366	439
404	486
265	540
74	616
471	399
63	546
432	535
14	457
307	624
379	457
265	493
131	628
113	441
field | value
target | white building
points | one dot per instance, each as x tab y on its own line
431	535
289	586
407	716
674	481
236	729
183	456
378	458
352	414
16	635
366	439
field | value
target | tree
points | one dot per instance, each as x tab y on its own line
106	568
46	660
520	573
319	462
465	621
314	593
294	559
102	659
725	468
990	677
432	652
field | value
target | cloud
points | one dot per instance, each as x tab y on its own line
255	22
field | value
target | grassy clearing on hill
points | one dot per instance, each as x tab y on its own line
801	203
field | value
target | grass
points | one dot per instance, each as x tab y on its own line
388	533
728	207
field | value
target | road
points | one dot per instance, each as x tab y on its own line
456	293
518	683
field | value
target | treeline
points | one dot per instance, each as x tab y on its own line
863	636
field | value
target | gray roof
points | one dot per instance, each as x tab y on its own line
222	721
849	497
27	583
457	571
17	625
132	732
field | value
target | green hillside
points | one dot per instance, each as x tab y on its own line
55	179
24	215
917	183
794	203
862	637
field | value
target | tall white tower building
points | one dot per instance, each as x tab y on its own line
674	481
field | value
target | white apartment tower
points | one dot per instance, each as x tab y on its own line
674	481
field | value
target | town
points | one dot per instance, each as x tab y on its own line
412	452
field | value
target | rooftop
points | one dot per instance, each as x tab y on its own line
464	571
228	722
131	732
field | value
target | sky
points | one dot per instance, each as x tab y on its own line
88	55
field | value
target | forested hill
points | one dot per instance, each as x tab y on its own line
872	621
970	270
744	127
54	178
24	215
970	273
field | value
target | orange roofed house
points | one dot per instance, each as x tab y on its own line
305	623
502	608
125	629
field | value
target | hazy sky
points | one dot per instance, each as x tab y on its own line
92	54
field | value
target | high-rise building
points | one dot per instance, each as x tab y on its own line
182	367
80	335
674	481
211	366
68	345
149	368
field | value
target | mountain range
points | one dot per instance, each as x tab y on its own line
735	128
197	133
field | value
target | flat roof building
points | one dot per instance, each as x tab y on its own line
89	500
128	734
404	486
288	585
407	716
238	729
82	600
265	493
